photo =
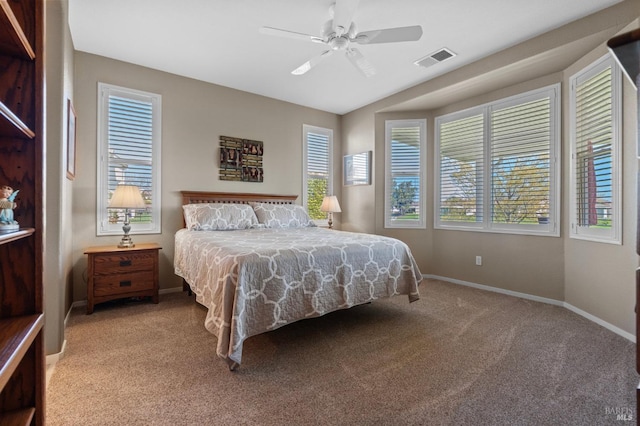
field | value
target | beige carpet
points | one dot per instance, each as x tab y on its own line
458	356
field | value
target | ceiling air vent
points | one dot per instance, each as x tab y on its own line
435	57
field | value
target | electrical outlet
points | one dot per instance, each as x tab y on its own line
479	260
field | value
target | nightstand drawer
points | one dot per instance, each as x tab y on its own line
123	263
109	285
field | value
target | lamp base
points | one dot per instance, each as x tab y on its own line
126	242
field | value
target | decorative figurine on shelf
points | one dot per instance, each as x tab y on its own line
7	204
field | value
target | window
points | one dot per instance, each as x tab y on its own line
497	167
461	175
128	153
405	152
317	170
595	153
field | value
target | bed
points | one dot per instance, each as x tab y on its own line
257	262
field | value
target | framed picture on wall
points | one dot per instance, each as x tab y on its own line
71	141
356	169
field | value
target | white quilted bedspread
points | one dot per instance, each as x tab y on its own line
257	280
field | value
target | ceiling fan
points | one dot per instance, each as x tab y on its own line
339	33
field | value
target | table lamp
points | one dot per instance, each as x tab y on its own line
330	205
126	197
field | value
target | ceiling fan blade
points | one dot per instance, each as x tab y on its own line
360	62
290	34
390	35
311	63
343	15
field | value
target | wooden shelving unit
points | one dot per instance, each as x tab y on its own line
22	367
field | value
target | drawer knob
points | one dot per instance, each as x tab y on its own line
125	283
125	262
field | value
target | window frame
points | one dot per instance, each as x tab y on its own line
576	231
103	227
306	129
552	228
421	222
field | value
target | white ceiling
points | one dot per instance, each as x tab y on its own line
218	41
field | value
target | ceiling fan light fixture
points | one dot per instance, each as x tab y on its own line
339	43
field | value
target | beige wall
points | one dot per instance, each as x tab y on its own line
58	189
510	262
194	115
593	277
420	241
358	202
537	262
599	277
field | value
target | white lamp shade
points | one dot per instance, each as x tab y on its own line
127	197
330	204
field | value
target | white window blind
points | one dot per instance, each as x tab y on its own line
497	167
595	143
405	153
128	154
520	154
130	144
461	169
318	170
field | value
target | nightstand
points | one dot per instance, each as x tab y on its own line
116	273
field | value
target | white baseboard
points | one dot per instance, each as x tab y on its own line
597	320
76	304
498	290
560	303
52	359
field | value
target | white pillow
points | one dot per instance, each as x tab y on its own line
282	215
219	217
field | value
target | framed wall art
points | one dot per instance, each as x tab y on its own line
356	169
71	141
241	159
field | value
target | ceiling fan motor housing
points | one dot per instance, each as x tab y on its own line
337	38
338	43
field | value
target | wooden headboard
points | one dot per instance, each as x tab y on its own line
196	197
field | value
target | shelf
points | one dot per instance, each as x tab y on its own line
17	235
16	336
11	125
19	417
13	40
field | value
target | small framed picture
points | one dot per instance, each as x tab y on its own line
356	169
71	141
